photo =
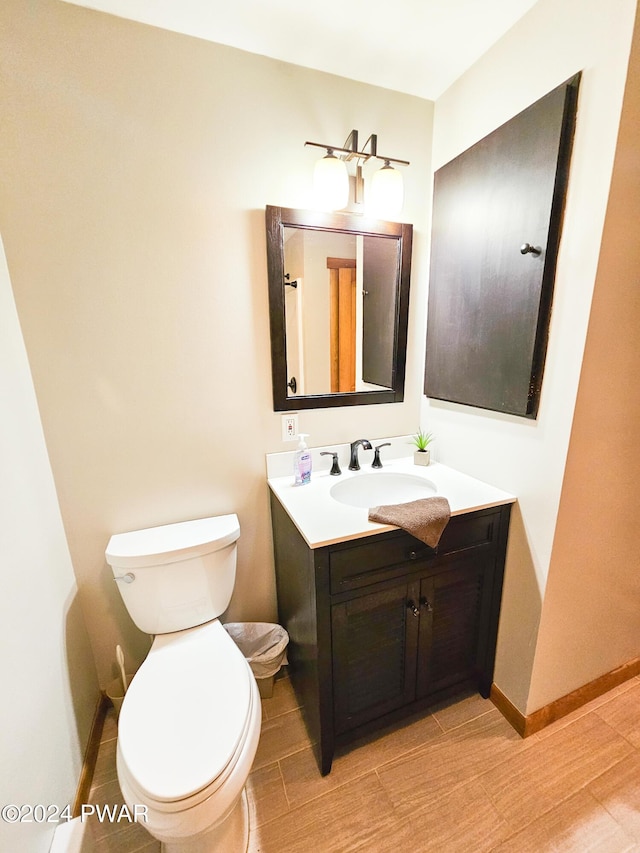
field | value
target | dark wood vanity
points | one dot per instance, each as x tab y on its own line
383	626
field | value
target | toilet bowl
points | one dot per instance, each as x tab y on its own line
190	722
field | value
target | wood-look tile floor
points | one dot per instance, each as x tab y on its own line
458	780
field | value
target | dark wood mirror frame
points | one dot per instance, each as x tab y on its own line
277	218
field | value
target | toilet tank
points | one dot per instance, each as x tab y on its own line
178	575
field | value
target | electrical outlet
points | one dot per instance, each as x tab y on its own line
289	427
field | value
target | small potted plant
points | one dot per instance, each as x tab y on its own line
422	440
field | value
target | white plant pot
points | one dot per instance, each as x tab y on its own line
422	457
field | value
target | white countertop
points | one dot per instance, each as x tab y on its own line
323	521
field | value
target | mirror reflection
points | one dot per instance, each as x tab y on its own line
338	288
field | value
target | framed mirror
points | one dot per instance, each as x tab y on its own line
338	308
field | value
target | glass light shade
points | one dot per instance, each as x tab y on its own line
386	193
331	183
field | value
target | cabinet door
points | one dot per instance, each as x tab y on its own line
490	299
375	639
453	608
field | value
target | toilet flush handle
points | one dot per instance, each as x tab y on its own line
128	578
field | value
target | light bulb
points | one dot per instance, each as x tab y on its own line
387	192
331	182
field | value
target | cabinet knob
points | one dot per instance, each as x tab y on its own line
424	552
411	605
424	602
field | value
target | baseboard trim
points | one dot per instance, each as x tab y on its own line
529	724
69	837
91	754
508	710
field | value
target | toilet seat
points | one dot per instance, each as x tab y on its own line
185	717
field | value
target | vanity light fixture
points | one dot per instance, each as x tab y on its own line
331	177
387	192
331	182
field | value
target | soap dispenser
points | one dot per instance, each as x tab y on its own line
302	462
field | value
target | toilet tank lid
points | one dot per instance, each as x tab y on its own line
170	543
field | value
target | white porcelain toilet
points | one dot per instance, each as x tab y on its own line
189	725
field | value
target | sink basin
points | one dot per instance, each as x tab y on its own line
365	490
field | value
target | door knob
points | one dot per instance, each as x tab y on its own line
528	249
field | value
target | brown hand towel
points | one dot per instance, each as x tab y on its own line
425	518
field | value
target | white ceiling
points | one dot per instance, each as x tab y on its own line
414	46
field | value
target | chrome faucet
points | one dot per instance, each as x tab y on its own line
354	465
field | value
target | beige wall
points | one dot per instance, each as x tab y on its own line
552	42
136	167
591	617
49	684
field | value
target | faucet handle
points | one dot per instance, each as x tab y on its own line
376	458
335	468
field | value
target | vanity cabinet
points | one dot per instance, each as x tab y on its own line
405	642
384	626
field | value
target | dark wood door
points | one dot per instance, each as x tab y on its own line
375	639
490	303
454	606
380	267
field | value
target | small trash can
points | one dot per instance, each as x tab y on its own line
264	645
115	693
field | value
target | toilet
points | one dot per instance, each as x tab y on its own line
190	722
